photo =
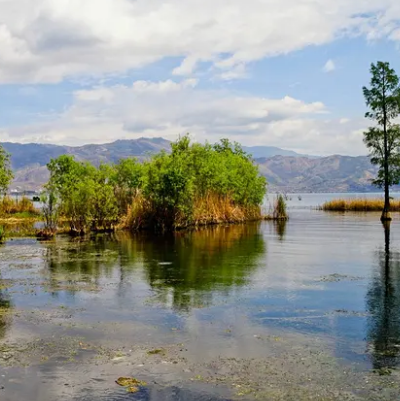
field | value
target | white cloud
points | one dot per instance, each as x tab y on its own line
48	40
168	108
238	71
329	66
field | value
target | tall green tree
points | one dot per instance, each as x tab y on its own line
6	174
383	140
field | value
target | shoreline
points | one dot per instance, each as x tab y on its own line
15	227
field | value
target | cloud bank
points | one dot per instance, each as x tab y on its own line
168	108
47	41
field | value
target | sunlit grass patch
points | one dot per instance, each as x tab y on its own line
18	208
359	205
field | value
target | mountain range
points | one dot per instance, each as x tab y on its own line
285	170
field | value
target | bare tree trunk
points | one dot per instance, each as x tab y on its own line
386	216
386	209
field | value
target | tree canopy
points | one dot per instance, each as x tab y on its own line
383	139
192	184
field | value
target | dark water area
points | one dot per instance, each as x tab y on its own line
196	315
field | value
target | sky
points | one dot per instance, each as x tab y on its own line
285	73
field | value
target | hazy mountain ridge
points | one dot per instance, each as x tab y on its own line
24	155
285	170
326	174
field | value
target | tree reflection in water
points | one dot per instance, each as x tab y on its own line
280	228
5	308
191	269
383	303
184	270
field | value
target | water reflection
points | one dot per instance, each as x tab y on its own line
383	303
189	269
186	270
78	264
280	229
5	309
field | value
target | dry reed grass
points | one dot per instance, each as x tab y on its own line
11	206
138	215
214	209
208	210
359	205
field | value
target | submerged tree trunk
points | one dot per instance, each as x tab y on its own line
386	216
386	209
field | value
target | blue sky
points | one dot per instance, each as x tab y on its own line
285	73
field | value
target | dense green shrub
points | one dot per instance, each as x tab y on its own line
193	184
220	176
86	193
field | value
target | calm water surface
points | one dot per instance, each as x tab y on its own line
321	282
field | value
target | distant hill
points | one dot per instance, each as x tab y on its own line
285	170
326	174
271	151
29	160
24	155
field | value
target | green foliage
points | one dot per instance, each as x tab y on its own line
50	211
86	193
162	192
383	98
126	179
6	174
383	140
173	182
104	202
374	139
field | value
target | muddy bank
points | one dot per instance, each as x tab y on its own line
55	354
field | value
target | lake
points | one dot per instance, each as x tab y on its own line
308	309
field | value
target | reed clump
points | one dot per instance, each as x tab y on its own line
359	205
207	210
23	207
279	208
215	209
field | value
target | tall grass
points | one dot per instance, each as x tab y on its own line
359	205
11	206
207	210
2	234
214	209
